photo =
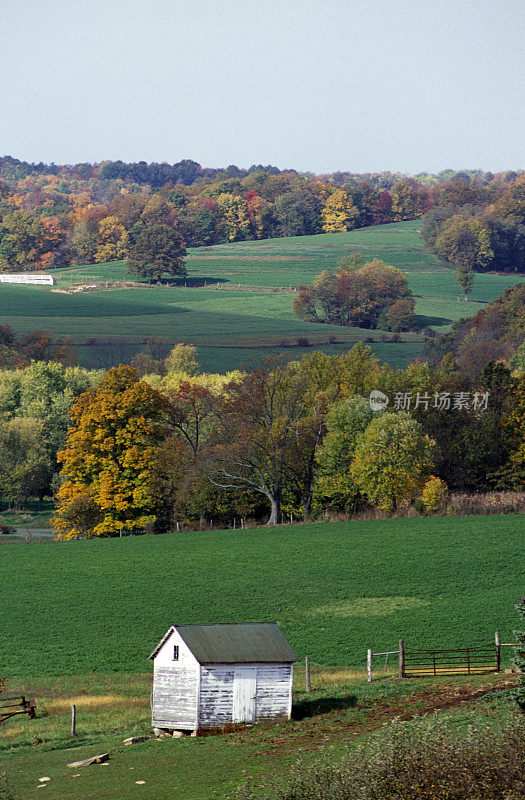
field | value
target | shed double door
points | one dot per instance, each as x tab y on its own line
244	691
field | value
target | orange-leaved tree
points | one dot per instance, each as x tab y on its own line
111	465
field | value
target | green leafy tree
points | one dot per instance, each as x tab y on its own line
158	250
298	213
345	422
25	467
464	243
392	460
465	278
44	391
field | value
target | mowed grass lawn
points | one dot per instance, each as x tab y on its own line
229	317
336	589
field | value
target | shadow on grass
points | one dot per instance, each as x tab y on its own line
192	281
423	321
314	706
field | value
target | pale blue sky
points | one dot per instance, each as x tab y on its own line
360	85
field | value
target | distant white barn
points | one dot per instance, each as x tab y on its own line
207	676
27	278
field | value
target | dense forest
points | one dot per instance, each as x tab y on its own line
136	448
495	333
56	216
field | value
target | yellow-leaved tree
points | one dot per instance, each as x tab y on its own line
339	213
113	240
235	216
111	467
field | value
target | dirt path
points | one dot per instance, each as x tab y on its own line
336	728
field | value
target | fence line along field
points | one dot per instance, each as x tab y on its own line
237	298
335	589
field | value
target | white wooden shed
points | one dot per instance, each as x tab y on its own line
207	676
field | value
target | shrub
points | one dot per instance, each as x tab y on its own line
416	763
519	658
492	503
434	495
7	529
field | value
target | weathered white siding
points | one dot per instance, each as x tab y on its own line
216	695
273	694
175	686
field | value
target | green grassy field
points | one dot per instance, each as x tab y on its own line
79	619
220	320
335	589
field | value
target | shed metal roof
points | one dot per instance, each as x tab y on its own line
237	643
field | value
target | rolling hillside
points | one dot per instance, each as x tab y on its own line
236	304
335	589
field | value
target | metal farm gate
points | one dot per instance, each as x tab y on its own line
475	660
459	661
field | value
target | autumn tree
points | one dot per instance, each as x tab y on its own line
113	240
339	213
399	316
182	358
514	432
408	200
111	459
265	431
83	243
357	297
235	216
158	250
392	460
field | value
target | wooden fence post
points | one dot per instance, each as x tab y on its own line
369	665
401	658
498	651
307	674
73	720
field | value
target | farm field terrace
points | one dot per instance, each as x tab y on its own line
232	325
335	589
